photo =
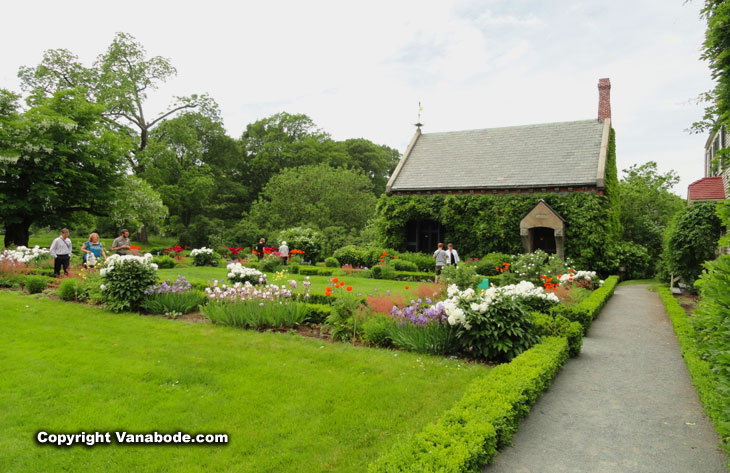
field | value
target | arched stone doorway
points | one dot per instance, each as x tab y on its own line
543	229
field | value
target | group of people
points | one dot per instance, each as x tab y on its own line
444	257
283	250
92	249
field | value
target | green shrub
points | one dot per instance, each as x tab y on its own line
352	255
72	289
270	264
384	271
164	262
125	280
708	337
256	314
635	259
293	268
463	275
587	310
13	281
691	239
487	265
423	262
173	302
344	319
433	338
467	436
35	284
331	262
317	313
376	330
403	265
501	333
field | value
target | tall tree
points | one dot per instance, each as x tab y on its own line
283	141
320	196
648	205
59	158
137	204
120	79
376	161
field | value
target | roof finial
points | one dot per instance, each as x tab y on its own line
420	109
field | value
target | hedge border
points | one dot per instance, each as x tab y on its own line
700	370
586	311
485	419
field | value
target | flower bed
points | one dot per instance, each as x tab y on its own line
23	254
586	311
172	299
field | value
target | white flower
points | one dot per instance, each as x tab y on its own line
201	251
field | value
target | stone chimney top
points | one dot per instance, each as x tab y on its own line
604	99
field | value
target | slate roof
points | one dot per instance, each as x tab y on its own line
707	188
544	155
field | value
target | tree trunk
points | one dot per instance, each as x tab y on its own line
142	233
17	234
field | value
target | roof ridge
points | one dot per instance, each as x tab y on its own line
593	120
706	177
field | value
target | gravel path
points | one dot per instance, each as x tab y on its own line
626	404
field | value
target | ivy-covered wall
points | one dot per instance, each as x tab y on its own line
478	224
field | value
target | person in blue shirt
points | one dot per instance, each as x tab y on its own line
93	251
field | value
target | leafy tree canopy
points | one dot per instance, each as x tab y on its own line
59	159
648	205
120	79
320	196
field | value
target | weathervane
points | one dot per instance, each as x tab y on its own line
420	109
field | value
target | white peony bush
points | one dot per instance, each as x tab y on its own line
240	273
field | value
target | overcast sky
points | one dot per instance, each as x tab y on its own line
359	69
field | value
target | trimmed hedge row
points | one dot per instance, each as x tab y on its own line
558	326
699	370
587	310
469	434
316	271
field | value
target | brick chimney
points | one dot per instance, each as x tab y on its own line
604	99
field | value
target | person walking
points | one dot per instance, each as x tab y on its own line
441	257
284	252
121	243
93	250
61	253
452	255
260	248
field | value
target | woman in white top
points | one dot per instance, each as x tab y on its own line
452	255
284	252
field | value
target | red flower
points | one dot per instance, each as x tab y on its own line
543	276
335	279
560	276
394	257
408	287
348	288
385	253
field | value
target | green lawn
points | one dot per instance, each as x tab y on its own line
289	403
205	275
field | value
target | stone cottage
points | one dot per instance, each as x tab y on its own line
519	187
